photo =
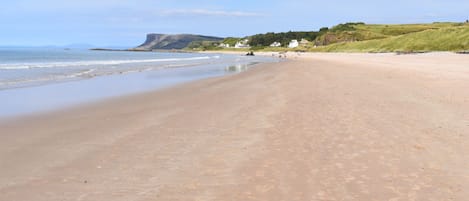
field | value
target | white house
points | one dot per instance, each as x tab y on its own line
242	44
293	44
275	44
223	45
304	42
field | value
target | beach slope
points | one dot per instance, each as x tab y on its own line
316	127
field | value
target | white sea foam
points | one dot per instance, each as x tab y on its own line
25	69
87	73
16	66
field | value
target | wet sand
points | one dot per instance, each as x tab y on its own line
316	127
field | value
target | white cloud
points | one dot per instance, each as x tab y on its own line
203	12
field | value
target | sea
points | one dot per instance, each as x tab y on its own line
34	80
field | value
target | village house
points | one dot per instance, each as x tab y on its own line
275	44
304	42
242	44
223	45
293	44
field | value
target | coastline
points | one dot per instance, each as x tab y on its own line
97	83
319	126
114	99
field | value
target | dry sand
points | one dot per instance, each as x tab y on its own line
317	127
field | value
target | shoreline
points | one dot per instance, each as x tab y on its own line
50	96
315	127
102	102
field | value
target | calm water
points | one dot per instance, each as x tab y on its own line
38	80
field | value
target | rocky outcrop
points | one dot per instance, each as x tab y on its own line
170	42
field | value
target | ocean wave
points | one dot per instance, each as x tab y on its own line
16	66
85	74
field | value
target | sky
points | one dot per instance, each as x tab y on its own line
126	22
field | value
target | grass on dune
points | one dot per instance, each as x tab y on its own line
400	29
361	37
434	37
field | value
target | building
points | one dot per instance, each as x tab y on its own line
275	44
304	42
293	44
242	44
223	45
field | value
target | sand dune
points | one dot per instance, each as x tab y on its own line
316	127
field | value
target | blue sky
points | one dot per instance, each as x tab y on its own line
126	22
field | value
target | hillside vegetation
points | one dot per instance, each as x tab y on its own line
391	38
347	37
264	40
361	37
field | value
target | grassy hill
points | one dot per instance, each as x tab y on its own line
358	37
391	38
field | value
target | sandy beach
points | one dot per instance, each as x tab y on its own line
315	127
